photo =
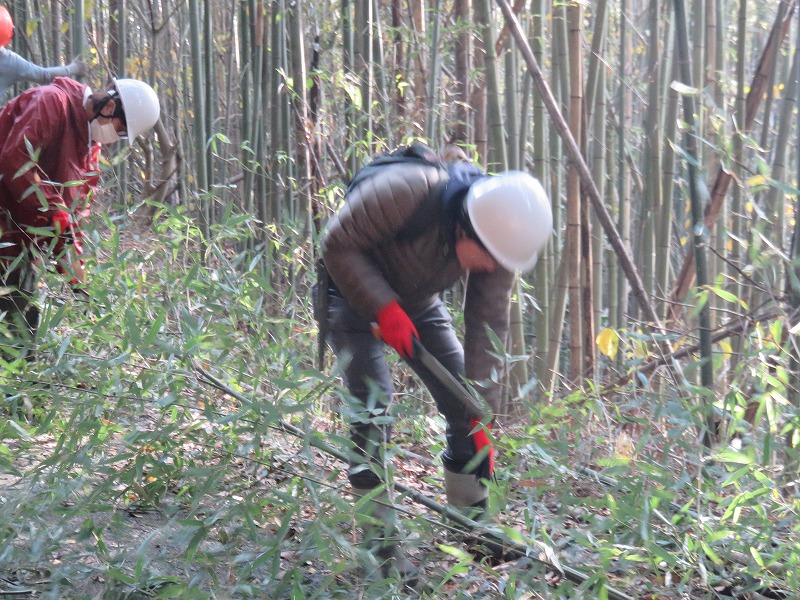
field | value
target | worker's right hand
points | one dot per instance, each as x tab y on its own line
68	248
397	330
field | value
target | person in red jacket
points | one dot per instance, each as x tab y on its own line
51	136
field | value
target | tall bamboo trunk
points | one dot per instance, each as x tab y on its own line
575	243
543	277
201	135
724	177
738	222
299	105
792	462
461	84
700	238
596	98
652	171
668	175
623	182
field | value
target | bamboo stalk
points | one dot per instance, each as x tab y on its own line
575	156
724	178
700	234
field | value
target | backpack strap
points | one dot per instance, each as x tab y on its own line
413	153
427	211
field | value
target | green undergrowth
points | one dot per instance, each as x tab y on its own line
143	454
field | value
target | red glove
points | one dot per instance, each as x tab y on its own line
61	222
68	236
481	440
92	174
397	330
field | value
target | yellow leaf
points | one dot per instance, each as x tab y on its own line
727	349
757	180
608	342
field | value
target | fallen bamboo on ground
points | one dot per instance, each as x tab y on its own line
514	549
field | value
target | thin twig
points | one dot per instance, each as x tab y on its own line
734	327
490	535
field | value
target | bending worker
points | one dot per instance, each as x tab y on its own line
49	135
14	68
407	232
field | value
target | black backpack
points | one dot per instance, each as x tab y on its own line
415	152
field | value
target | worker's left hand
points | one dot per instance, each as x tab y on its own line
78	269
481	441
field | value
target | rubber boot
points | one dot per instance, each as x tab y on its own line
469	496
381	537
466	493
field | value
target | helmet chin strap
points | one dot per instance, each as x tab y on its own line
466	226
101	105
118	112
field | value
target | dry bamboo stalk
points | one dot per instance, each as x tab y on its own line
587	182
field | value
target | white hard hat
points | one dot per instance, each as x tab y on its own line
512	218
140	104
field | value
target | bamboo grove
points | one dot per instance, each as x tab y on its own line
663	132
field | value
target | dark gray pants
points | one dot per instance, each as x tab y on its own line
18	312
368	378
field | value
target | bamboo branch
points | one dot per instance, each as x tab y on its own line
481	531
734	327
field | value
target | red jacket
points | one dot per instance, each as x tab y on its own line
44	142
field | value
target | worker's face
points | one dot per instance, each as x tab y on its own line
472	256
107	116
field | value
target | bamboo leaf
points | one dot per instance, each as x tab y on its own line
711	554
683	89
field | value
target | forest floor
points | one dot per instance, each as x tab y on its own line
165	504
166	529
